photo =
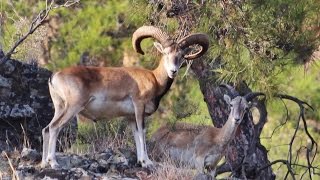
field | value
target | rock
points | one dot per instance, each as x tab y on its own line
25	105
68	161
52	174
105	155
136	172
118	158
5	82
103	163
30	155
5	110
76	160
25	172
78	173
21	110
129	155
94	167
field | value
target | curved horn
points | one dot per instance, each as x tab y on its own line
230	89
197	38
252	95
147	32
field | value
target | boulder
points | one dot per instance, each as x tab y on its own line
25	105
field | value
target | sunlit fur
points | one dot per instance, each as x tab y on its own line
97	92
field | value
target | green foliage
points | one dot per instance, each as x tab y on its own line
305	85
287	25
86	30
256	40
139	11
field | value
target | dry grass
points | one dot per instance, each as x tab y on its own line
10	160
169	170
8	164
96	137
12	169
31	49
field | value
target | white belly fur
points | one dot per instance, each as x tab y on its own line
101	107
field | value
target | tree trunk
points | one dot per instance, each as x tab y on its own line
245	155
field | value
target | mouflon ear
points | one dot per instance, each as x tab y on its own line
227	99
159	47
250	104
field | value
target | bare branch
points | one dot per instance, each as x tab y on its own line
35	24
279	161
294	99
290	162
283	123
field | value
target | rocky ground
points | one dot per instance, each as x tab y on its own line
109	164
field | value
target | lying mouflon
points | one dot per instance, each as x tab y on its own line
202	147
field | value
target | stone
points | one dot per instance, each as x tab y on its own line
94	167
9	68
5	82
26	106
78	173
105	155
76	160
118	159
64	161
135	171
103	163
52	174
129	155
30	155
21	110
25	171
4	111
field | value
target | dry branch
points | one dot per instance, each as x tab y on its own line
290	162
35	24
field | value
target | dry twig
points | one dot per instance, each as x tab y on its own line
35	24
291	162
